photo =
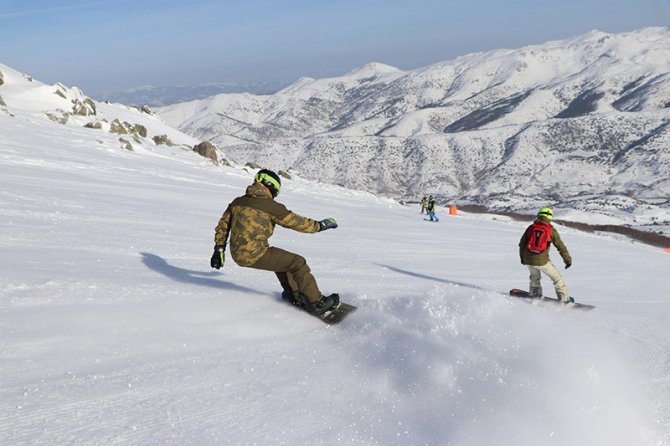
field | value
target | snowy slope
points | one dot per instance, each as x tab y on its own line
114	330
25	99
581	123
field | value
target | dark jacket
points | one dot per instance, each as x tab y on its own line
531	258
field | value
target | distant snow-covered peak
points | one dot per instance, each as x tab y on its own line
372	69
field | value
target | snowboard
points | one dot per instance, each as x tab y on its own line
337	314
525	295
330	317
432	221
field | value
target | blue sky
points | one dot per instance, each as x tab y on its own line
108	45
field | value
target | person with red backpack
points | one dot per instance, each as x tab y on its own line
534	252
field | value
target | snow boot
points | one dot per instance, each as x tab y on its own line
565	299
535	292
322	305
291	297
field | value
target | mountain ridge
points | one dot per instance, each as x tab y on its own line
580	124
156	96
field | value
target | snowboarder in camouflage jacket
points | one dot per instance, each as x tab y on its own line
249	222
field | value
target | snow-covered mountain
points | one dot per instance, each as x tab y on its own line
580	124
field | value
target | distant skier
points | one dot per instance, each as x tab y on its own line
424	204
534	252
431	209
250	221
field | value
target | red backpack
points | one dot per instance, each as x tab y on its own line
539	237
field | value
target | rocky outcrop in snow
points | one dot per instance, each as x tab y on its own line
130	128
206	149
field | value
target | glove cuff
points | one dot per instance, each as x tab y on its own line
220	248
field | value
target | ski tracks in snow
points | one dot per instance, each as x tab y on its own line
131	403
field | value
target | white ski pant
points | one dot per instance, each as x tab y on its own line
550	270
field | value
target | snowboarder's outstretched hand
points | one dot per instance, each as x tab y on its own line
328	223
219	256
568	265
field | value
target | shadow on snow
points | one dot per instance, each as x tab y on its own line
201	278
436	279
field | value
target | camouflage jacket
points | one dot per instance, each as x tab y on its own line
530	258
250	221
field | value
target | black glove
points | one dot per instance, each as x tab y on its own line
219	256
568	264
328	223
